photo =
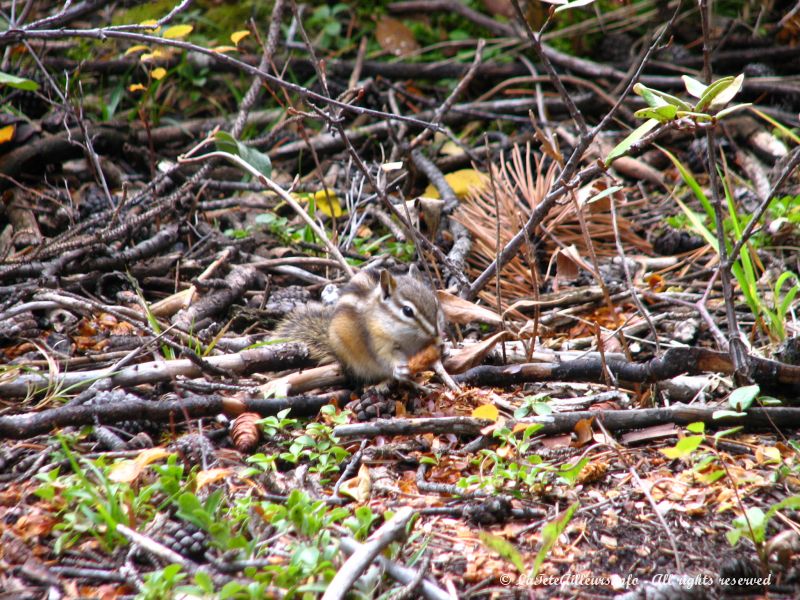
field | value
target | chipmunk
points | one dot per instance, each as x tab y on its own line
378	324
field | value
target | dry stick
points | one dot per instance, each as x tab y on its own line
391	531
11	36
548	67
78	116
285	196
400	573
628	278
255	87
454	95
563	181
737	346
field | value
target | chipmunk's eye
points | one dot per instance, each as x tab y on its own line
408	311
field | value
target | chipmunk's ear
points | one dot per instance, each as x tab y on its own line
413	271
388	284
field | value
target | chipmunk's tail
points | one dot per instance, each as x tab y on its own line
309	325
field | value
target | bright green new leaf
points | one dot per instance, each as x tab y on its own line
504	548
662	114
648	95
674	100
728	92
259	161
698	427
742	398
629	141
550	533
684	447
732	109
19	83
712	91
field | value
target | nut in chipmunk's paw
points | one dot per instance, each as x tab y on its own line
423	359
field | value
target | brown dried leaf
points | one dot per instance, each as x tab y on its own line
458	310
468	357
583	431
395	37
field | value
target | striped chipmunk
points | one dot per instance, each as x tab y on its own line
378	324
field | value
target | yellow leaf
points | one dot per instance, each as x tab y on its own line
328	203
158	74
136	87
462	182
154	55
151	23
359	487
129	470
224	49
238	36
486	411
6	133
450	148
210	476
178	31
125	471
136	48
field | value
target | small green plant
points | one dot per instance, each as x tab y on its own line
90	502
753	525
662	108
550	534
161	584
326	20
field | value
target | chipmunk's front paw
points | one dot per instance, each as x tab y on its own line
401	372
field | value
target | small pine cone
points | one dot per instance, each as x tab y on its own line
488	512
196	450
373	404
184	538
245	432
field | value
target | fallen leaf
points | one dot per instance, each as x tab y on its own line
466	358
394	37
458	310
486	411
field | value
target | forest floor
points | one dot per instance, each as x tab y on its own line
605	197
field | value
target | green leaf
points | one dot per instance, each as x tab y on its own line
742	398
694	87
19	83
629	141
569	473
504	548
730	431
695	187
684	447
721	414
550	533
727	93
673	100
259	161
732	109
712	91
662	114
648	95
698	427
